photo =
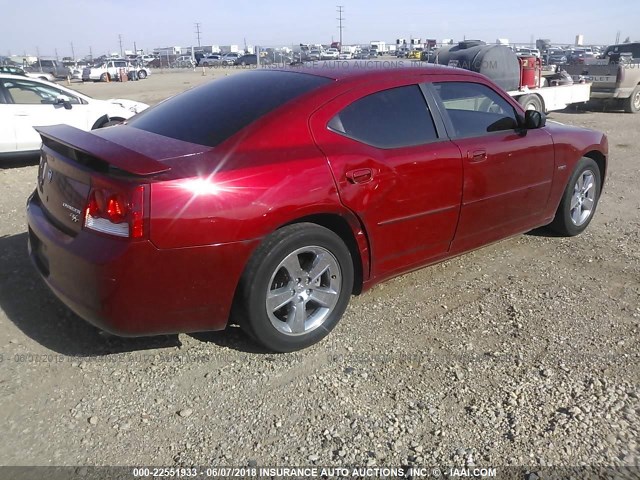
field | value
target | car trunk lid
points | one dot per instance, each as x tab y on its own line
72	160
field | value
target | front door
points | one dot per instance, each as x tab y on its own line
394	169
507	171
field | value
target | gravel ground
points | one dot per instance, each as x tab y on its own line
521	353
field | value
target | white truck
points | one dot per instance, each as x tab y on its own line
378	46
521	76
110	70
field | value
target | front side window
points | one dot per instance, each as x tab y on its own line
24	92
394	118
475	109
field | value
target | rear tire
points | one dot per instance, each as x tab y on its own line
142	74
632	104
531	102
579	200
105	77
295	288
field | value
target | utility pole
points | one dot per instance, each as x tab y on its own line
135	49
73	52
120	40
340	19
90	54
38	53
56	50
617	37
198	33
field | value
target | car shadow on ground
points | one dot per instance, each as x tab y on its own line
543	232
30	305
233	337
35	310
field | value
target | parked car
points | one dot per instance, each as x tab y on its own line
111	69
578	56
271	196
144	59
556	57
184	61
528	52
210	60
280	57
314	55
345	56
252	59
230	58
54	67
14	70
28	102
330	54
364	54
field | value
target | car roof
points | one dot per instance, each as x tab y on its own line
354	69
15	77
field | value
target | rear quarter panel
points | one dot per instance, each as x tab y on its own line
267	175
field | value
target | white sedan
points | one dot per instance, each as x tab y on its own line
28	102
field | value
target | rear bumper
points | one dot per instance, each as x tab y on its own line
608	93
133	288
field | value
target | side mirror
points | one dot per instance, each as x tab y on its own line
534	119
64	100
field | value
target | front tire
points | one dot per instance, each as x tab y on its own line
295	288
142	74
580	199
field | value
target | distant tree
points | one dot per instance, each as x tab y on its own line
627	40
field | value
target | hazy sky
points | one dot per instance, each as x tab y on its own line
51	25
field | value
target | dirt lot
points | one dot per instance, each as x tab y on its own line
522	353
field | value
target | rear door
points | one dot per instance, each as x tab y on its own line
507	172
395	168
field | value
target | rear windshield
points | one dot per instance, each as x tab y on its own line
629	48
211	113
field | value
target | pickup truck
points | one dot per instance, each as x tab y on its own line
110	70
53	67
615	77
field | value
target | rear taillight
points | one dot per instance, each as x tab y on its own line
620	74
116	211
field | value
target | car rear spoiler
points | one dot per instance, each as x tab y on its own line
105	150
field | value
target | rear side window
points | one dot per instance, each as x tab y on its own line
394	118
475	109
211	113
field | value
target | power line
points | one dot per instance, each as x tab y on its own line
198	33
340	19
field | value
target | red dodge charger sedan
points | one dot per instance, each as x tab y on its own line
269	197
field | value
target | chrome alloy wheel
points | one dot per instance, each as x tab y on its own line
303	290
583	198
